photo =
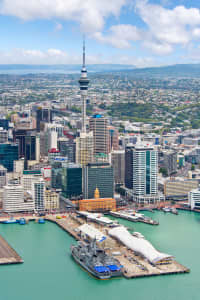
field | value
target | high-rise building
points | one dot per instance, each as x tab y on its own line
29	144
4	123
145	172
3	136
32	148
43	115
67	148
194	198
51	200
15	200
39	195
53	140
129	166
98	175
84	148
29	178
170	162
58	128
118	164
3	176
113	138
44	143
8	153
19	166
72	180
99	126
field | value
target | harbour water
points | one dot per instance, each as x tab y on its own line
49	272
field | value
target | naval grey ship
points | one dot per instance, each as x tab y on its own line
95	260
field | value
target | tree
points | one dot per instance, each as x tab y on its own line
192	167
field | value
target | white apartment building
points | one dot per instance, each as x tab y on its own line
145	174
194	198
39	195
14	199
29	179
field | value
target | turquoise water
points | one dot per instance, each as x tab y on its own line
50	273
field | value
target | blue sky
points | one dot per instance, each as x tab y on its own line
138	32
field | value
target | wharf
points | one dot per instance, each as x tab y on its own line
134	266
7	254
68	224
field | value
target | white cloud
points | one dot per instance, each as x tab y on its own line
120	36
57	56
26	56
165	28
168	27
173	26
89	13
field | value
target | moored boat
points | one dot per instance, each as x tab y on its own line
10	221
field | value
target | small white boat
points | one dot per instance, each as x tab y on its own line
138	235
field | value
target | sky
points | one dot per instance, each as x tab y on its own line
141	33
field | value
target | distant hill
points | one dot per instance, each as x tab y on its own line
24	69
180	70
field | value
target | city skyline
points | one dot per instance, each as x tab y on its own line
140	33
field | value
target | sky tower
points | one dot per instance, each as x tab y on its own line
84	82
85	142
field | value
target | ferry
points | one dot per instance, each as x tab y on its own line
10	221
41	221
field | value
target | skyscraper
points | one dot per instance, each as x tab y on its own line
29	144
3	176
99	126
145	173
113	138
101	176
84	148
39	194
129	166
118	164
8	153
43	115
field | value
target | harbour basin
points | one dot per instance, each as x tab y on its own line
49	272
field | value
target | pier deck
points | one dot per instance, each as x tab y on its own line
133	266
7	254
